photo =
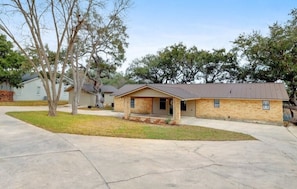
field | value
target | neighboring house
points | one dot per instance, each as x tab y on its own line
88	97
32	89
107	91
261	102
5	86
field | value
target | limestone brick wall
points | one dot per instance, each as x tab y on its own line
249	110
118	104
142	105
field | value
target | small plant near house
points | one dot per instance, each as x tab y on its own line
168	120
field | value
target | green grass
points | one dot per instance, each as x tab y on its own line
30	103
116	127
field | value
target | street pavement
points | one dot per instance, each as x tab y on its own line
31	157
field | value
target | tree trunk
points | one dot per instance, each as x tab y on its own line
74	105
52	108
99	100
75	99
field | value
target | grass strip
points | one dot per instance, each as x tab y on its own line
30	103
116	127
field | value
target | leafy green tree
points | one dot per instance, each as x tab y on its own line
270	58
179	64
102	43
146	70
217	66
191	67
172	60
117	80
173	64
99	69
12	64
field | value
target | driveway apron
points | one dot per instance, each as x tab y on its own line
31	157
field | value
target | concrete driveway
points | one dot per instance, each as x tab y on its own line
34	158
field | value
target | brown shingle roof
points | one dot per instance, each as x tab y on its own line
129	88
271	91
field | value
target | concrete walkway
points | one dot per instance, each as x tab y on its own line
34	158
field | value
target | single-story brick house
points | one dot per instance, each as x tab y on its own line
260	102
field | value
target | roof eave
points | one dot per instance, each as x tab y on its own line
131	91
30	80
164	92
149	87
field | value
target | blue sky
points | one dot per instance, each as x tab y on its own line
207	24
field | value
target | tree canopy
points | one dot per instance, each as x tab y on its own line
179	64
270	58
12	64
253	58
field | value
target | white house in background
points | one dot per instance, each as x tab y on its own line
33	89
87	95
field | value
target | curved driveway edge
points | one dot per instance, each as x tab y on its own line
34	158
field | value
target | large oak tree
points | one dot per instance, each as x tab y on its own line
179	64
270	58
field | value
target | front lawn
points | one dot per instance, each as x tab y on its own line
116	127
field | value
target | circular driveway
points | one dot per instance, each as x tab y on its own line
34	158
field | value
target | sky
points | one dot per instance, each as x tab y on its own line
206	24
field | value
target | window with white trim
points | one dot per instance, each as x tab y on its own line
266	105
132	103
216	103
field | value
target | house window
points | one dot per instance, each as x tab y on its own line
38	90
162	103
216	103
265	105
132	103
183	106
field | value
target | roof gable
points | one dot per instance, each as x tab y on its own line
29	76
128	89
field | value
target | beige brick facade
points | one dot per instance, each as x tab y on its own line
118	104
248	110
176	110
142	105
242	101
245	110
